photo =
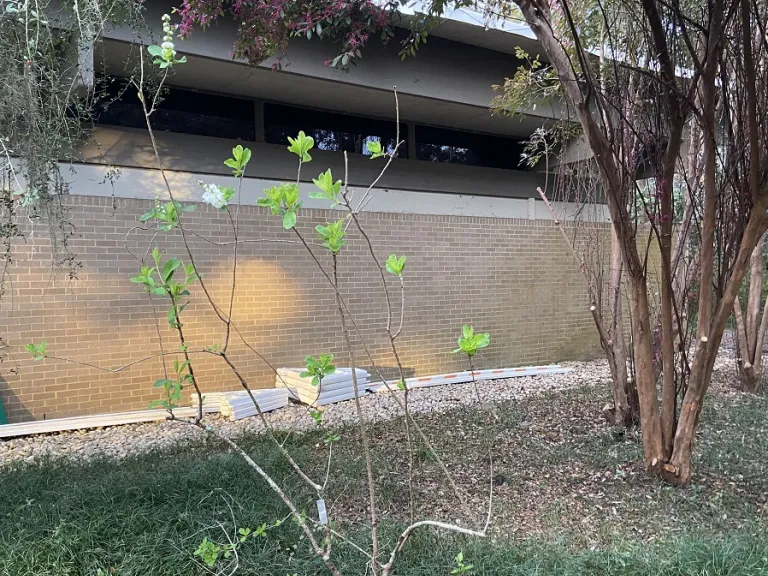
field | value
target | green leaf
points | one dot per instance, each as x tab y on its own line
37	351
332	235
172	317
162	383
330	189
245	157
290	193
289	220
169	267
470	343
301	145
317	416
148	215
374	148
208	552
155	50
395	265
400	384
331	438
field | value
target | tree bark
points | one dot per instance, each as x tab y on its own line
679	468
625	409
537	14
749	333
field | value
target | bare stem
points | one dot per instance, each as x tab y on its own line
297	516
387	568
362	427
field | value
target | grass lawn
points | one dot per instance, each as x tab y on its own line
570	498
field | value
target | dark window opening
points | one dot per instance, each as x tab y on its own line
457	147
332	131
178	110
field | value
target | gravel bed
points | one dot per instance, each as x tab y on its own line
132	439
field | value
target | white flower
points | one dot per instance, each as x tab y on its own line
214	196
167	45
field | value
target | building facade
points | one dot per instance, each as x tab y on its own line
456	201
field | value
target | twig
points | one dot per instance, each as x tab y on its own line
361	426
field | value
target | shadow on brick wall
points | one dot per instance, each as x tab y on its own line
14	409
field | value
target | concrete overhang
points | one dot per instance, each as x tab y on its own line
235	78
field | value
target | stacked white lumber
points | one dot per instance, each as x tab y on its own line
211	401
241	406
94	421
335	387
467	376
238	404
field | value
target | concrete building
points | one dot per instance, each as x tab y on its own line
456	201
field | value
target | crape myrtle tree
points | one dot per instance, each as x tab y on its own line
669	71
688	64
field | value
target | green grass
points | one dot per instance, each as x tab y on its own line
573	501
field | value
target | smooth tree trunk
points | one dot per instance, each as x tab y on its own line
751	325
679	468
625	410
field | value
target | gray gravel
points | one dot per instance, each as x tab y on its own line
131	439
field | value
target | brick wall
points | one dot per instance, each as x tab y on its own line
513	278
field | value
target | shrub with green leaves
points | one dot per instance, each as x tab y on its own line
283	200
37	350
470	343
374	149
332	235
318	368
461	566
329	189
166	214
162	280
301	145
239	160
172	387
395	265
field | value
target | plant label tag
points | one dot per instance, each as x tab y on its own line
321	512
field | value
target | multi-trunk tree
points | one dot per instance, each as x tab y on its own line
684	64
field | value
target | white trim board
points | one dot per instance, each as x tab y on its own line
95	421
246	410
466	376
323	388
